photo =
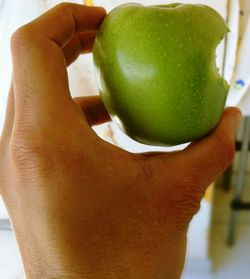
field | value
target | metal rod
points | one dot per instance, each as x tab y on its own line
5	225
240	179
243	159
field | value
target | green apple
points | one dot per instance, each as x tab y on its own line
156	71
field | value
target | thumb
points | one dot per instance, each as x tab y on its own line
209	157
197	166
182	177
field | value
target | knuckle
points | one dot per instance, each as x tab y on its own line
19	36
32	150
146	170
24	152
29	145
64	12
20	39
185	197
63	6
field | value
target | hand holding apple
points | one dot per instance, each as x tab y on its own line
156	71
94	210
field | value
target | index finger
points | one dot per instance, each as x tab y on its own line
39	68
69	19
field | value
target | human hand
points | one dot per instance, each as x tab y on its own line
81	207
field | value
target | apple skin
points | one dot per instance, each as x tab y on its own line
156	71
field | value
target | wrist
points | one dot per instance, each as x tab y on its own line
92	265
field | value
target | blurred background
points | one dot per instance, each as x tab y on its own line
219	234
